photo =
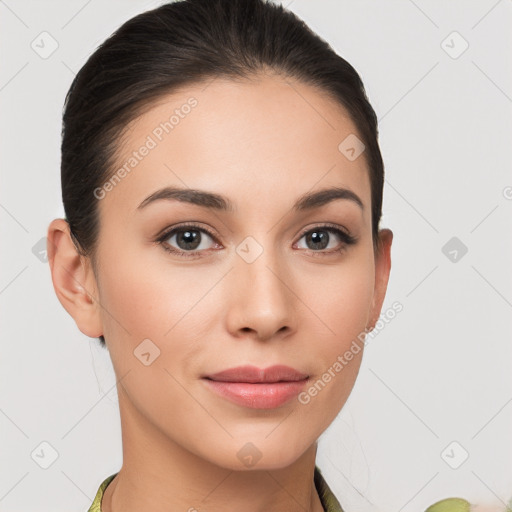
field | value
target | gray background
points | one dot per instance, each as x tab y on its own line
438	373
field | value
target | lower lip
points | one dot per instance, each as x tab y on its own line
258	396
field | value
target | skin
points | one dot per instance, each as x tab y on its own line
262	143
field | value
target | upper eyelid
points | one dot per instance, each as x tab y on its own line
327	226
166	233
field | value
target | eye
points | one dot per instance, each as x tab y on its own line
189	239
320	238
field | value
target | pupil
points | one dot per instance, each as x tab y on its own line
318	238
191	239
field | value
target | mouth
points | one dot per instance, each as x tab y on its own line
251	387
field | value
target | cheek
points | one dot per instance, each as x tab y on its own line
160	302
338	306
340	300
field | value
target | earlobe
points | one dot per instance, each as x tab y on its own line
73	279
382	271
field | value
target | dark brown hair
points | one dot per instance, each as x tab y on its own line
187	42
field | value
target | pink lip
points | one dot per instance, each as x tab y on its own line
258	388
253	374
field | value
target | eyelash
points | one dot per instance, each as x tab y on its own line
346	238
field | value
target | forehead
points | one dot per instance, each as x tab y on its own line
258	142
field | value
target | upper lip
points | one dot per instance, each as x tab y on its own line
253	374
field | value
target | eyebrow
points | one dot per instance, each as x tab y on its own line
307	201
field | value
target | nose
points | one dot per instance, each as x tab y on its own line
261	302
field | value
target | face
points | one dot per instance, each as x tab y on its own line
186	290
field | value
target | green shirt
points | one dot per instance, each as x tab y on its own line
329	501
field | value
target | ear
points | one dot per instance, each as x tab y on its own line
73	279
382	269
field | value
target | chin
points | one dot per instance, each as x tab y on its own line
255	456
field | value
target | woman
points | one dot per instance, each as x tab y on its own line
222	183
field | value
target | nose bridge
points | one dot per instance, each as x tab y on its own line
261	287
259	265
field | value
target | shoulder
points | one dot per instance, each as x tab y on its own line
329	501
96	504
